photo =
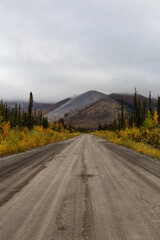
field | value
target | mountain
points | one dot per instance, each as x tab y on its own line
129	99
100	112
55	106
76	104
92	108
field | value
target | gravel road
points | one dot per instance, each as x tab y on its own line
79	189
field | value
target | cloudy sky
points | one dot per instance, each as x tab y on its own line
61	48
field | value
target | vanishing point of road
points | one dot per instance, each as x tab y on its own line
79	189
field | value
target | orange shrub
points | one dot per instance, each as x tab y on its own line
6	129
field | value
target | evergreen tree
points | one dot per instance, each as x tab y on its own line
45	122
35	116
2	109
115	125
144	110
139	113
30	115
6	113
135	108
158	108
40	118
131	119
19	116
15	115
99	127
119	121
122	113
24	119
12	117
150	104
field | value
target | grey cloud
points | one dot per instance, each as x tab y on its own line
61	48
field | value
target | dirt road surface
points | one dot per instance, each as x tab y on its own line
81	189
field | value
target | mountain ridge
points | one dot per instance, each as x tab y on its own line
86	110
75	104
94	111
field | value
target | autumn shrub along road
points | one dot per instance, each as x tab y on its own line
22	130
145	139
18	140
139	131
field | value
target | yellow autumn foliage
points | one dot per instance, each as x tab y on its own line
6	129
155	118
15	140
146	141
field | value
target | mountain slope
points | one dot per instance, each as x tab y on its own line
100	112
92	108
75	105
55	106
129	99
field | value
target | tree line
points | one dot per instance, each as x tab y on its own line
20	118
143	109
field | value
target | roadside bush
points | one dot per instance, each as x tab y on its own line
16	140
140	139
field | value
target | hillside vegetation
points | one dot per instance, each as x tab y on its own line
21	131
140	132
15	140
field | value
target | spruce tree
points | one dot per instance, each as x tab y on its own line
45	122
2	109
15	115
12	117
99	127
150	104
122	113
30	115
135	108
19	116
114	125
158	108
24	119
35	116
119	121
6	113
144	110
139	113
40	118
131	120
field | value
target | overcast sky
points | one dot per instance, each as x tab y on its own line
61	48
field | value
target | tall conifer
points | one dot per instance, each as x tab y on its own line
122	113
15	115
139	113
6	112
19	116
144	110
30	115
158	108
150	104
119	121
135	108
